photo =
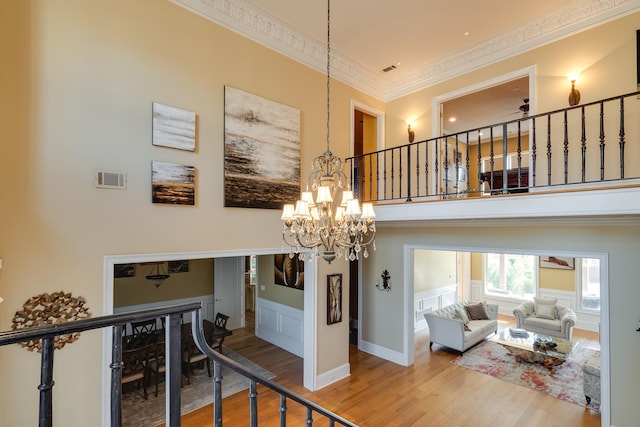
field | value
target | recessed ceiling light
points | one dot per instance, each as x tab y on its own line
452	119
466	33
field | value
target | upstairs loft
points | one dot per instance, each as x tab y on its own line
578	164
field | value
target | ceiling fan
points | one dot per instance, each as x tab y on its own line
524	107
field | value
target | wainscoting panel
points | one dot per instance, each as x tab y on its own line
280	325
433	299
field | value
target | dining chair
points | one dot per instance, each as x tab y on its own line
191	355
135	367
220	322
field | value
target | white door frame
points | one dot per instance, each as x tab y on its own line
310	371
605	370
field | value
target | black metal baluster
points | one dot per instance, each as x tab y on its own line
426	167
116	376
393	166
385	175
173	371
217	394
622	142
309	417
445	174
548	149
400	176
466	163
602	143
491	159
283	410
253	404
505	160
378	176
480	180
519	154
533	152
417	169
583	146
370	156
566	149
46	382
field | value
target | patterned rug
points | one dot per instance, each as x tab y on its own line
563	382
137	412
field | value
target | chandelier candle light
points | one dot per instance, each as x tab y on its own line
318	224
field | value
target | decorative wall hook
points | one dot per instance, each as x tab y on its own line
386	281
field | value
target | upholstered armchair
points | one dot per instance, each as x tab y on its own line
545	316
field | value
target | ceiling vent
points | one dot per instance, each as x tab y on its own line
389	68
113	180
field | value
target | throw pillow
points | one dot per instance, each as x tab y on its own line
547	301
462	314
476	311
545	311
466	327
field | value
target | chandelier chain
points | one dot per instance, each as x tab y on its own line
328	72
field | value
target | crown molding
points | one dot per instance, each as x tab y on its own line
267	30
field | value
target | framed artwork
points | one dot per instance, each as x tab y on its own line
288	271
124	270
173	127
557	262
261	151
334	298
172	183
178	266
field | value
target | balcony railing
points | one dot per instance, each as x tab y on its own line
173	370
585	146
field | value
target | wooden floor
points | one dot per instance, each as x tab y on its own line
432	392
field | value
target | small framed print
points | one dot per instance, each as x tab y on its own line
334	298
124	270
561	263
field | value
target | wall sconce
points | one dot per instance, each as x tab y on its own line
386	281
158	274
574	95
412	135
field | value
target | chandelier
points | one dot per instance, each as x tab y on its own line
157	275
316	222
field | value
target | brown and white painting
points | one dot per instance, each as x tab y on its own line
173	183
261	151
174	127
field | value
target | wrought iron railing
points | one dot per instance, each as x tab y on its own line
586	146
173	370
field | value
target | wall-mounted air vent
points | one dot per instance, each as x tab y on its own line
113	180
389	68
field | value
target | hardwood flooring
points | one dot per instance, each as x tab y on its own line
432	392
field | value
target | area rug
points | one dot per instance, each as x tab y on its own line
563	382
137	412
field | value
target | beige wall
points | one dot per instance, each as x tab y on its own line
77	97
138	290
433	269
477	271
557	280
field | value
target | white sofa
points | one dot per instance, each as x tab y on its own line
447	326
559	322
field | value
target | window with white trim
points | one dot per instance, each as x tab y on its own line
589	284
511	275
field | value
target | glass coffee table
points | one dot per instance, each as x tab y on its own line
550	352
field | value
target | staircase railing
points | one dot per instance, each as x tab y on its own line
587	145
173	370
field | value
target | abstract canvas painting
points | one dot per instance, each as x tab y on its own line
261	151
172	183
334	298
174	127
288	271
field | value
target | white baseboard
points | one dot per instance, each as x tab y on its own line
384	353
333	375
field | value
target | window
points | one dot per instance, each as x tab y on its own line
590	284
511	275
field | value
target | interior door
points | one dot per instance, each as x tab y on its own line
228	289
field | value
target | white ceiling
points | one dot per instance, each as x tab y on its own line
429	41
